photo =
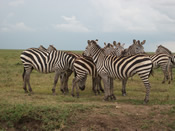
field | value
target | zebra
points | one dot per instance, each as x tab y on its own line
110	50
135	48
162	49
163	61
114	49
119	67
45	62
83	67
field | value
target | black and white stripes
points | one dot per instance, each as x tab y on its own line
45	62
119	67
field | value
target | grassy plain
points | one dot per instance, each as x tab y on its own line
43	111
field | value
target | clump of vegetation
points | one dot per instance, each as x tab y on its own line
29	117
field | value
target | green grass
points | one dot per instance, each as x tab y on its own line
43	111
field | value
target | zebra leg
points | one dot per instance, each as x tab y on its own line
99	84
62	79
27	80
24	79
74	85
106	81
112	89
55	81
164	69
94	81
170	74
68	74
124	81
147	86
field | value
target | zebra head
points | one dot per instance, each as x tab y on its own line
82	84
162	49
108	49
118	48
137	47
93	50
89	51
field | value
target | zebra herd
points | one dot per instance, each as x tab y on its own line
106	64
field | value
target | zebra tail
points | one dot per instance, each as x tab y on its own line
23	74
151	72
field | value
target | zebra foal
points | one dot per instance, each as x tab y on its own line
119	67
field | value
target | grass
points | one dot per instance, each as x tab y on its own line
42	111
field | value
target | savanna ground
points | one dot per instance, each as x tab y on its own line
43	111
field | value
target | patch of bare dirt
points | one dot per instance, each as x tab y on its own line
121	117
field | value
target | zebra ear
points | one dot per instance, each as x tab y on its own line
119	43
105	43
138	42
143	42
108	45
134	41
114	43
88	42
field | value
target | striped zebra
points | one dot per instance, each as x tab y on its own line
115	49
45	62
110	50
158	60
164	50
82	68
135	48
163	61
119	67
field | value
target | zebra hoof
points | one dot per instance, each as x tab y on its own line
145	101
114	98
54	94
25	91
106	99
123	94
30	93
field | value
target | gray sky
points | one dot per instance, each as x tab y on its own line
68	24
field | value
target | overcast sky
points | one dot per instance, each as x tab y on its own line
68	24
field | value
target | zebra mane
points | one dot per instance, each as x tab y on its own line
95	43
160	46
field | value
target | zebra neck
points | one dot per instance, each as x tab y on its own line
98	57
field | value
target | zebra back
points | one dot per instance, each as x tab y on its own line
83	66
46	62
162	49
126	66
160	60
